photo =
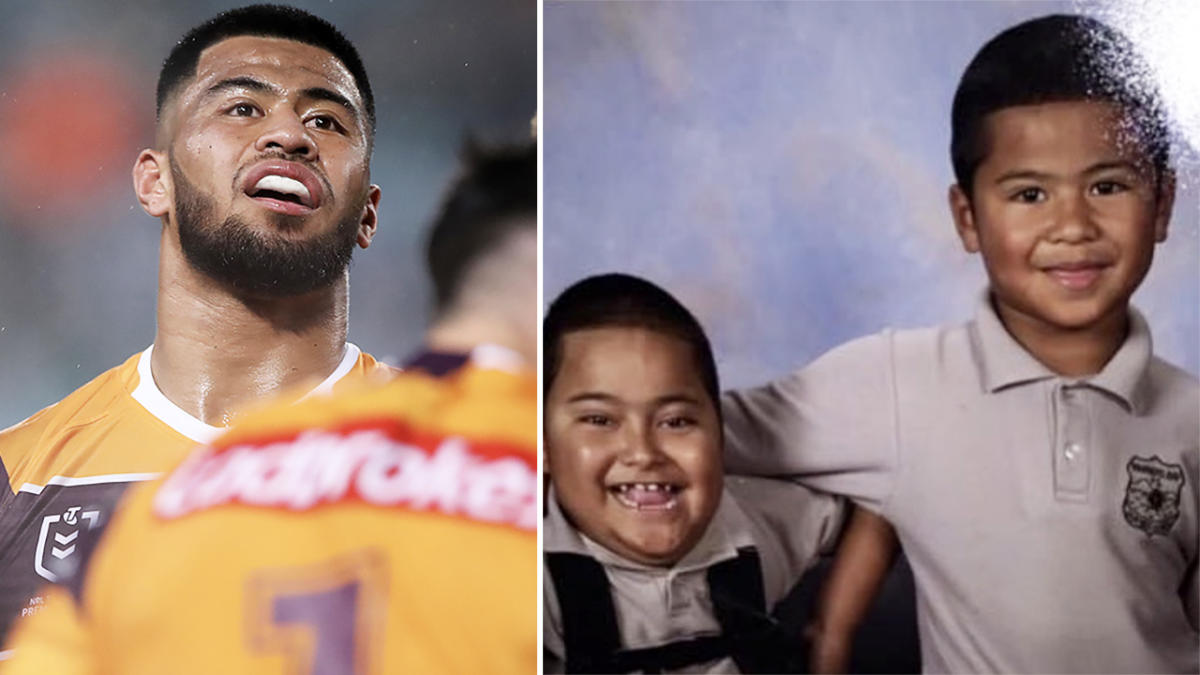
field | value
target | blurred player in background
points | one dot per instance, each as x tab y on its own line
390	528
260	175
482	258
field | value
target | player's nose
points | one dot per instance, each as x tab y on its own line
1073	220
285	132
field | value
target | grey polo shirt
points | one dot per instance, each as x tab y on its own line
788	524
1051	522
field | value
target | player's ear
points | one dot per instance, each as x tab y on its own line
369	220
964	219
1164	205
152	183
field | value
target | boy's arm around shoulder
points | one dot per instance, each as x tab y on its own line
791	524
864	556
831	424
802	524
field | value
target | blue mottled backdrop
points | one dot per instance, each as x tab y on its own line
783	167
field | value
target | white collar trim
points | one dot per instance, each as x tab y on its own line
494	357
349	358
156	403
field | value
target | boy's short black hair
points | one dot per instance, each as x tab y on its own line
276	21
624	301
1053	59
495	195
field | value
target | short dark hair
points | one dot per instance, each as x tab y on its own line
1052	59
624	301
276	21
495	195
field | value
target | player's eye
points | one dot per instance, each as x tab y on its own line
325	123
1029	195
242	110
1108	187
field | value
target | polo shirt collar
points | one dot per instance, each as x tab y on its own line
1125	374
728	531
1004	363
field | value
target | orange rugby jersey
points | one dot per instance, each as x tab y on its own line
66	467
386	529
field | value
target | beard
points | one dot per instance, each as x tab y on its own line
256	264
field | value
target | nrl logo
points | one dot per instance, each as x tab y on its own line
1152	495
59	533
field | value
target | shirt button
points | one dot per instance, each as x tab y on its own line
1072	451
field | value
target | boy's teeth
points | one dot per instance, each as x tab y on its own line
283	184
652	487
646	496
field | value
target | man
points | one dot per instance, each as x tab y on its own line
387	529
260	176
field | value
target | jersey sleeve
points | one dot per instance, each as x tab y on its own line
18	444
831	425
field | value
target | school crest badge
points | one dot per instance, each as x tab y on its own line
1152	494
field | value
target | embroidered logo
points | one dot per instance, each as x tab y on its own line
57	541
1152	495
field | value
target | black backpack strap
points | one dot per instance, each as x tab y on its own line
592	639
675	656
756	642
589	621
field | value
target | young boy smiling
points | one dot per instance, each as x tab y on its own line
654	561
1039	463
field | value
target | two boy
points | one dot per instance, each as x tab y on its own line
1039	464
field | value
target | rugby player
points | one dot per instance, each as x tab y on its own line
260	175
482	259
387	529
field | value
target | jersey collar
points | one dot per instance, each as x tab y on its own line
156	403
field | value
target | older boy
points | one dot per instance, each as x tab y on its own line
1039	464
